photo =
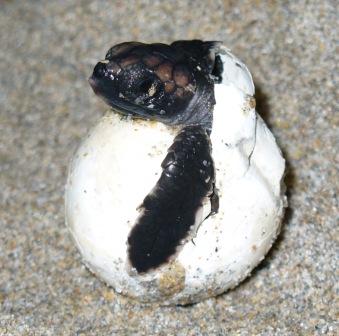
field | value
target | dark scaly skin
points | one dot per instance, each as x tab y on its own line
173	84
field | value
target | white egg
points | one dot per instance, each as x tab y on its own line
118	164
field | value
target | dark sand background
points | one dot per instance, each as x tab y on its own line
48	49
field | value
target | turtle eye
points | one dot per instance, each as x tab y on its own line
146	85
150	89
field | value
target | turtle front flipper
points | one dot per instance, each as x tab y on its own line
171	210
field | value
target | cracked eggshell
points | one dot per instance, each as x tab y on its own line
118	164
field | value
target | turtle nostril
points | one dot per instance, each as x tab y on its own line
100	70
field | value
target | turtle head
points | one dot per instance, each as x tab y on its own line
168	83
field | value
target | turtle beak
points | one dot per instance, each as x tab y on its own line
123	107
99	77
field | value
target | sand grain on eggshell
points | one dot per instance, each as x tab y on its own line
47	54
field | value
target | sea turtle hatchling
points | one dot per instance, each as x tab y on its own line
176	194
